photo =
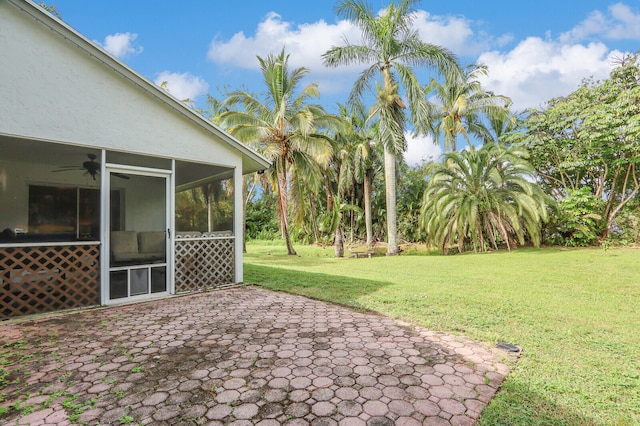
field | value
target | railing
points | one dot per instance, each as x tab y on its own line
204	260
36	278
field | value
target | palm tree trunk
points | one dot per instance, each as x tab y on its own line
351	217
327	189
367	208
390	189
338	242
282	198
314	221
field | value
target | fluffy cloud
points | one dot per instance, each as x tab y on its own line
420	149
121	45
537	70
182	86
308	42
621	22
534	71
456	33
305	43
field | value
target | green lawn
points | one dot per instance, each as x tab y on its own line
576	314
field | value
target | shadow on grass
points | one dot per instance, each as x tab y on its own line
517	404
333	288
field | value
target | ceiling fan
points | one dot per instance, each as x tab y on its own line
91	167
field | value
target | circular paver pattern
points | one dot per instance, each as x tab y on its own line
243	356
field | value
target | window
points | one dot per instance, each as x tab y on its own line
52	210
206	208
64	213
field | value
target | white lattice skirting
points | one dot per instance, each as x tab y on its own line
204	261
48	278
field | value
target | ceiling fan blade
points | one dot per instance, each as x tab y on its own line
68	168
120	175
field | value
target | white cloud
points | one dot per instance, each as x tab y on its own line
420	149
537	70
182	86
305	43
534	71
456	33
121	45
621	22
626	23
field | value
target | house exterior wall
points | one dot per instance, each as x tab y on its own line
51	89
58	87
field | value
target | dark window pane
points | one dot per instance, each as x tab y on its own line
52	210
118	285
158	280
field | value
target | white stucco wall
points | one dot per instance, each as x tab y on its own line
53	90
56	86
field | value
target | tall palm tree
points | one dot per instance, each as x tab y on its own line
357	167
282	126
503	126
306	180
462	104
483	197
390	50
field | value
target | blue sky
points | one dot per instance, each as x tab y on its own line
535	50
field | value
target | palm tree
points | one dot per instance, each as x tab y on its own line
462	104
282	126
483	197
390	49
357	165
503	127
305	183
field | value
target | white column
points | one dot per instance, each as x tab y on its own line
237	221
105	219
171	255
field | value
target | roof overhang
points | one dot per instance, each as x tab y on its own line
251	160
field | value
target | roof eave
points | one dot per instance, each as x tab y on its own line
251	160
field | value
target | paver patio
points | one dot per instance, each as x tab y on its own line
240	356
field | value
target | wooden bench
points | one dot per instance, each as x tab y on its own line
359	254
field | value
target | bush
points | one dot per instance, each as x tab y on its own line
625	230
260	219
577	222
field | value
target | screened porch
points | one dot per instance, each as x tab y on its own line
82	226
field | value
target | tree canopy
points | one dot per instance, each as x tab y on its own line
483	198
591	139
283	126
391	48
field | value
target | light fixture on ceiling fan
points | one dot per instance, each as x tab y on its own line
91	167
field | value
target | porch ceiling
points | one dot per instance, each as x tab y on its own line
25	150
34	152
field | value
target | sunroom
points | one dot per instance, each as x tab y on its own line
111	190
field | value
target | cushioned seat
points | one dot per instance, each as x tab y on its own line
152	244
124	245
132	246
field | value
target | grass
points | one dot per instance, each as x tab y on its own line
576	314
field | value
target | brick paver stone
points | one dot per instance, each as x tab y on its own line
244	356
